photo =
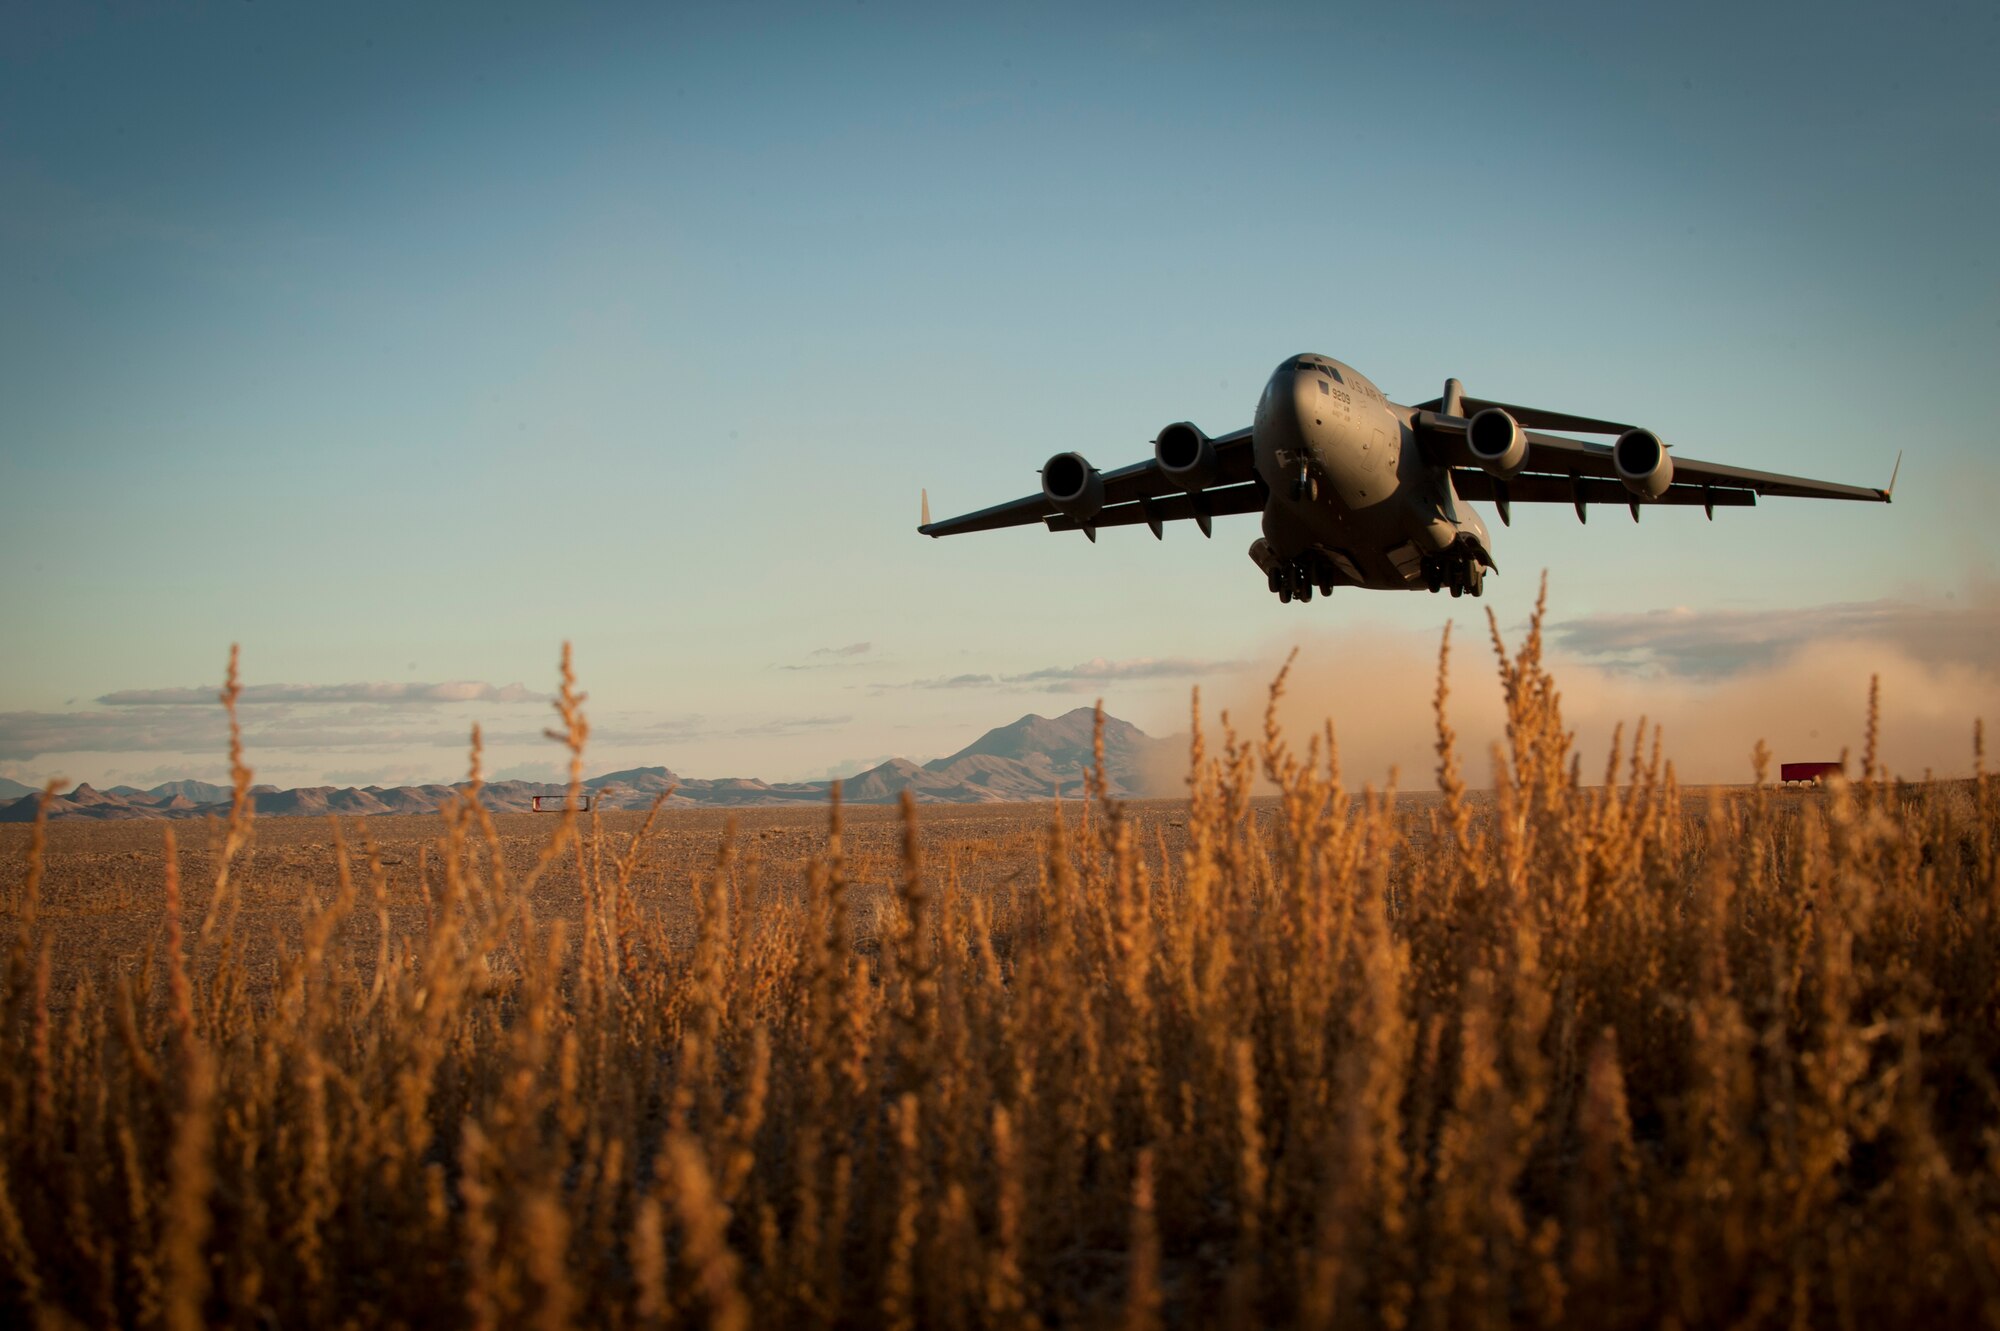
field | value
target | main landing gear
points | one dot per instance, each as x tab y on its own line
1295	580
1458	568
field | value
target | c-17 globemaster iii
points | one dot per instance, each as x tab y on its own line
1359	491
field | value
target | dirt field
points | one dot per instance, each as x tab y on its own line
101	898
101	893
1554	1056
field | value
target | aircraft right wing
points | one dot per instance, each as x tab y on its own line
1140	492
1575	471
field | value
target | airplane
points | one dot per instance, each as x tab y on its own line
1359	491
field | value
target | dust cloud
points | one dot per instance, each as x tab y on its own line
1808	703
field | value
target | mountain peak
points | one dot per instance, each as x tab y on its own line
644	779
1063	747
1032	758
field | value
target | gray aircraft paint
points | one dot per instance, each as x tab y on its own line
1356	490
1369	496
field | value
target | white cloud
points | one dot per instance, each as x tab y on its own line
1716	644
457	690
178	729
947	682
630	729
834	658
1099	670
1083	677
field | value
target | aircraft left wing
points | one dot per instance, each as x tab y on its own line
1141	492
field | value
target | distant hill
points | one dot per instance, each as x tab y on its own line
1059	751
320	800
1034	758
197	792
649	779
83	802
887	781
13	790
192	792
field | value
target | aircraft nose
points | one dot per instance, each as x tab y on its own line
1286	385
1297	384
1283	409
1303	398
1306	395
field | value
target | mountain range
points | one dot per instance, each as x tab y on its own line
1034	758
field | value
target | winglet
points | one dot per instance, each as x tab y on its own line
926	509
1889	495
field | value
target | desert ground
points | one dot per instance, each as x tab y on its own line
101	890
1557	1054
102	881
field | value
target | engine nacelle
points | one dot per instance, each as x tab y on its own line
1186	456
1074	486
1642	463
1497	442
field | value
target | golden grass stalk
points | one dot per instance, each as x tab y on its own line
1548	1053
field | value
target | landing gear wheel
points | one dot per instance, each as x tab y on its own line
1305	590
1276	584
1457	590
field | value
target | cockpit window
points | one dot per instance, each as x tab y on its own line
1308	363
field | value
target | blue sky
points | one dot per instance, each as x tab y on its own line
401	345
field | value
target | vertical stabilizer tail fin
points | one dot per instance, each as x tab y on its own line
1453	401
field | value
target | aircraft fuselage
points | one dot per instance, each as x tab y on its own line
1352	501
1357	491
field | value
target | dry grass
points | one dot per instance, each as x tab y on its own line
1570	1056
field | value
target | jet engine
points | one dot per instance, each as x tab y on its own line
1186	456
1074	486
1497	442
1642	463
